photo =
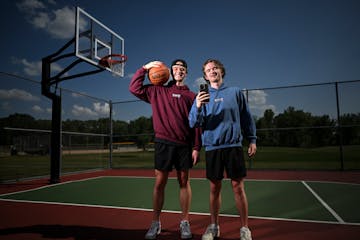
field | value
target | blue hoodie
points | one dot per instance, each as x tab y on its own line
223	119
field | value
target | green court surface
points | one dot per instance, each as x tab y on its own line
289	200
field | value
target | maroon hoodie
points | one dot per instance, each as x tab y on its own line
170	106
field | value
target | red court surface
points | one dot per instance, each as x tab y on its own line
28	221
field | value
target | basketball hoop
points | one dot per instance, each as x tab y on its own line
115	62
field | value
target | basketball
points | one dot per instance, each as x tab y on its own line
159	75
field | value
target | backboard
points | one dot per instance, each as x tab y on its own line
93	40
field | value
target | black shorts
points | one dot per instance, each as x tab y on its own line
168	156
229	159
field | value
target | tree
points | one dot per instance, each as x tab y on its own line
264	124
143	131
350	128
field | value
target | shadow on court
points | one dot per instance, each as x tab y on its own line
72	232
84	233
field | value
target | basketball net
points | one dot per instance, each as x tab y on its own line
115	62
116	68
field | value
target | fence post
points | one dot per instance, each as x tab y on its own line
247	100
338	127
111	135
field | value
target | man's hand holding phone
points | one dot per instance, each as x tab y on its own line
203	96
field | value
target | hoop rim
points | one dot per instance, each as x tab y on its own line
107	62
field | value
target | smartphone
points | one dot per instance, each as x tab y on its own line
204	88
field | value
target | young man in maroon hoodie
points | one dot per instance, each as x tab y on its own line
176	144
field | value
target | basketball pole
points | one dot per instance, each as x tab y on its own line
55	149
46	83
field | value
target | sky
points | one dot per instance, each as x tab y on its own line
262	44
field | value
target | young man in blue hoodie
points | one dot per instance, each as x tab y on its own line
223	114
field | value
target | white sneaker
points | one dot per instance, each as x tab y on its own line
185	230
212	232
245	234
154	230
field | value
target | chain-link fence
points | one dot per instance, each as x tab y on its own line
315	126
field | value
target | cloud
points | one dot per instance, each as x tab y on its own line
31	68
5	105
63	24
199	81
78	95
30	6
40	20
83	111
37	109
257	97
97	110
35	68
59	23
17	94
130	75
102	109
258	101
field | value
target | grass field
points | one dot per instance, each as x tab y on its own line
325	158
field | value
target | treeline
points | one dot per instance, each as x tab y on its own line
292	128
296	128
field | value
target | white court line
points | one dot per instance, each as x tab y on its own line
48	186
332	211
179	212
340	220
